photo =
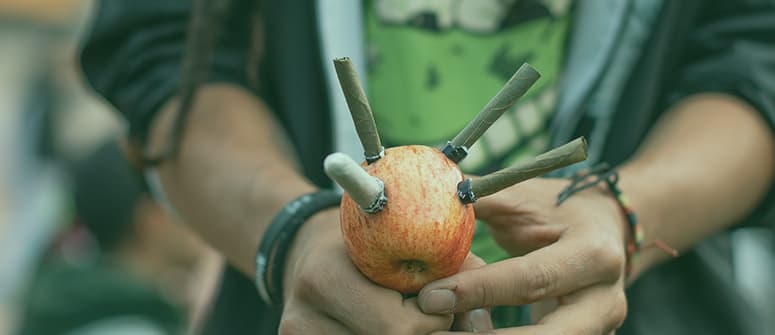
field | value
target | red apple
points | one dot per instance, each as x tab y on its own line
424	232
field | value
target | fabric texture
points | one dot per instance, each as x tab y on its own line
433	66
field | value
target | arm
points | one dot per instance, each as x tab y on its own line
729	132
132	56
229	180
230	176
233	171
707	164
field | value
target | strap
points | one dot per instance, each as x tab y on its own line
275	244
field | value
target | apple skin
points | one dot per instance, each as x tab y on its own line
424	232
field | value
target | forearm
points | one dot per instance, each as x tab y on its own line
231	174
704	166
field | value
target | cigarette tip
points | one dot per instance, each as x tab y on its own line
338	164
341	59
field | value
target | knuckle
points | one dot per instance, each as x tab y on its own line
609	257
540	282
307	285
619	313
484	294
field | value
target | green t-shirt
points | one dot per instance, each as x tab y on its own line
432	65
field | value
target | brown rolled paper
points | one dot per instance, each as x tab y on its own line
359	107
562	156
514	89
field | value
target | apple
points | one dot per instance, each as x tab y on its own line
423	234
406	215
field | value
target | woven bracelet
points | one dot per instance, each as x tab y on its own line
604	173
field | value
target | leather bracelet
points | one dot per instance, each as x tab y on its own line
276	242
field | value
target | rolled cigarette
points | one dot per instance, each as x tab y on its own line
562	156
514	89
366	190
359	109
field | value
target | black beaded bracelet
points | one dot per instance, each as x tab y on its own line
275	244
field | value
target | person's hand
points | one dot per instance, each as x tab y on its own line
326	294
574	253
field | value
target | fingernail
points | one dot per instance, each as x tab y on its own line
480	320
438	301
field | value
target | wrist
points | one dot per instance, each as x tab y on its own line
320	229
273	251
605	182
615	211
595	188
647	246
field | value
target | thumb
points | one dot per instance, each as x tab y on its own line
445	301
514	281
476	320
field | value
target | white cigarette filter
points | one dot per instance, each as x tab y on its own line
366	190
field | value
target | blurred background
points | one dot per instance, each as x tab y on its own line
81	247
79	242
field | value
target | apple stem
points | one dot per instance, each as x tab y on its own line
366	190
360	110
562	156
514	89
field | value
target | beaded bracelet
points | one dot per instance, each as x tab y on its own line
603	173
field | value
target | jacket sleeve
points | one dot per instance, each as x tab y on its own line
732	50
133	51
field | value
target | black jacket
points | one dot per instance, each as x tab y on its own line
132	58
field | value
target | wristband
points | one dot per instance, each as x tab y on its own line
635	241
276	242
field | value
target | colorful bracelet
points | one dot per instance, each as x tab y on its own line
604	173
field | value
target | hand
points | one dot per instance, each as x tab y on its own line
475	320
573	253
326	294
